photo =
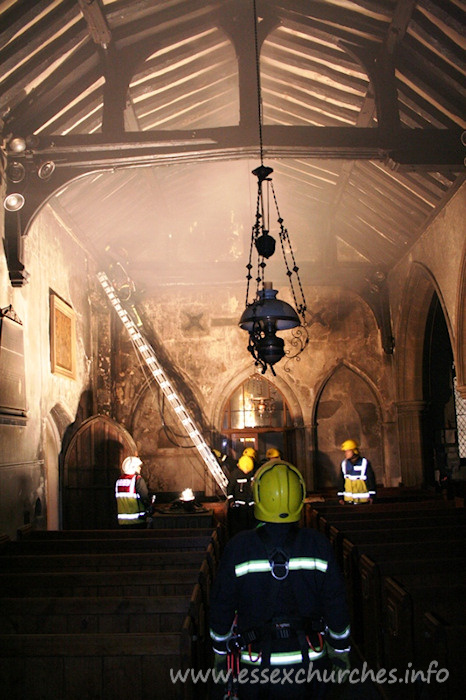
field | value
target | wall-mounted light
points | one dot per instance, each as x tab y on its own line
46	170
13	201
17	144
15	172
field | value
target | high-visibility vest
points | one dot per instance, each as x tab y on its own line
131	509
356	490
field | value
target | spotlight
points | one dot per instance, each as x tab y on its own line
13	202
17	144
16	171
46	170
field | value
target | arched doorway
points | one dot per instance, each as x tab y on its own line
256	414
424	378
91	466
440	435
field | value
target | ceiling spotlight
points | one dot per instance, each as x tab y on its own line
16	171
17	144
46	170
13	202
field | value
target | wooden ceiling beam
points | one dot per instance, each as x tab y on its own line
433	149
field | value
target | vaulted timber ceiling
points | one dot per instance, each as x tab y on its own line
149	113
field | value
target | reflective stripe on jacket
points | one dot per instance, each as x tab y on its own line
130	507
313	589
356	480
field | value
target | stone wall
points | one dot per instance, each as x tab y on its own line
29	453
196	335
434	265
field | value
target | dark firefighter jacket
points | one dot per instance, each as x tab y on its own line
314	587
239	487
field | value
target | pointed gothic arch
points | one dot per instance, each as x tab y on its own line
419	293
348	405
91	464
289	437
460	361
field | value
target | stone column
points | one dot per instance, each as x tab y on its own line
410	440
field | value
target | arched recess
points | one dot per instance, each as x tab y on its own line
91	464
293	443
416	306
218	403
171	461
347	406
52	447
461	331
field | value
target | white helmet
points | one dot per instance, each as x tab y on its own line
131	465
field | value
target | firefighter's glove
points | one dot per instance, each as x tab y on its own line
339	659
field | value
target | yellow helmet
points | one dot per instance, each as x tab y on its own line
350	445
272	453
250	452
279	492
246	464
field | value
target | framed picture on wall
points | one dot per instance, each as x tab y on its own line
62	337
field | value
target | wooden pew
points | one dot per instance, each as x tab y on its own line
100	666
315	511
108	546
154	582
119	588
341	539
444	643
105	615
29	533
372	514
108	615
372	572
381	552
127	561
404	608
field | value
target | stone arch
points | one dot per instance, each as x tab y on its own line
55	426
91	464
347	405
460	363
417	297
416	302
218	403
297	436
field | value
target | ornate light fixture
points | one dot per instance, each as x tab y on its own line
265	314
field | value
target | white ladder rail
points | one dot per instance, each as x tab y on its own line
148	354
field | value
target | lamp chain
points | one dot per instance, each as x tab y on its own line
258	80
301	308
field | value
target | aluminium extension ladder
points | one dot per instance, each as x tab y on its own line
148	355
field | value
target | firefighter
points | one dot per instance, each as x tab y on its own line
278	611
132	496
240	501
357	479
251	452
272	453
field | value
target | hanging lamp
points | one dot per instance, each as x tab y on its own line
265	315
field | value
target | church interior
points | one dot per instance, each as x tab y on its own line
227	224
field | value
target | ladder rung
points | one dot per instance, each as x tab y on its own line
149	357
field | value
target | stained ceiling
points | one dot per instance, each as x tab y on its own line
141	127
